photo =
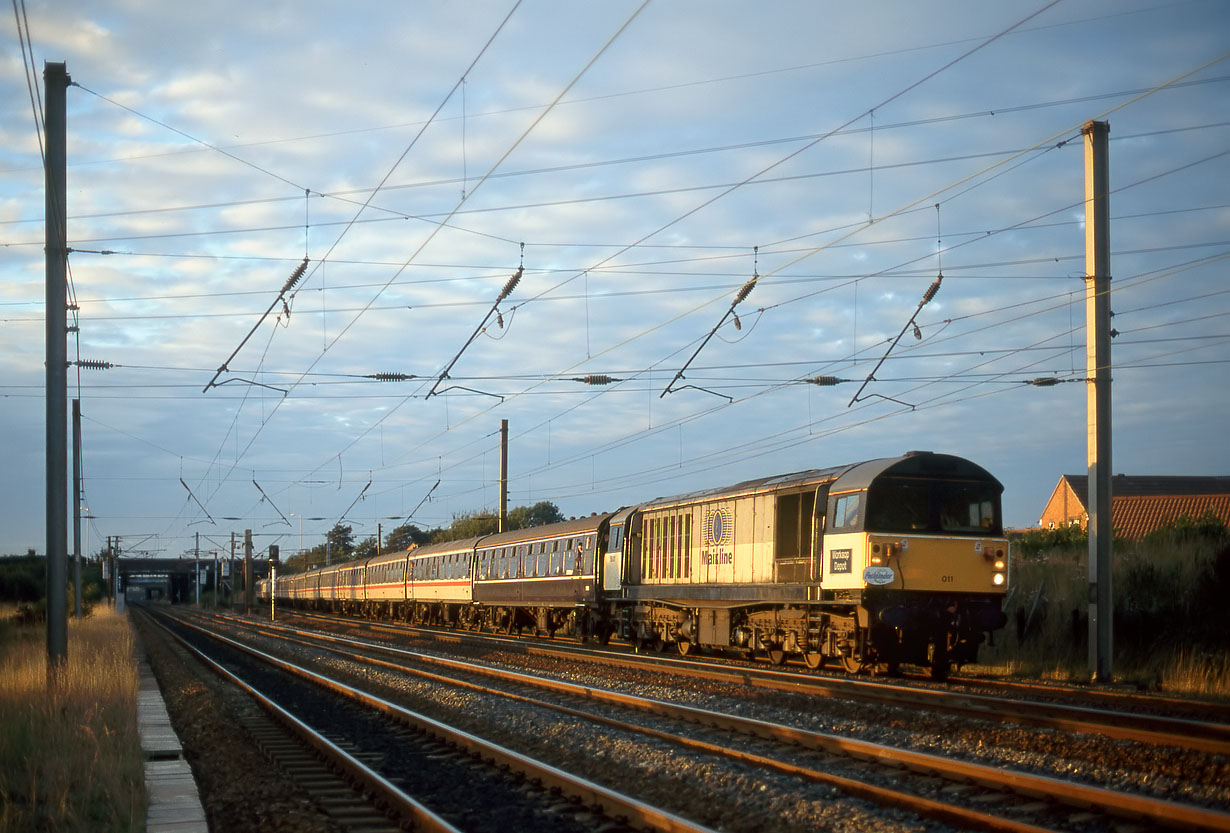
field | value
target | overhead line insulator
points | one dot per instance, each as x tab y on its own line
295	276
511	285
391	377
596	379
745	291
94	364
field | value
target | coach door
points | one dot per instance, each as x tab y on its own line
613	553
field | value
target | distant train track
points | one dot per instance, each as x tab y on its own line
1027	800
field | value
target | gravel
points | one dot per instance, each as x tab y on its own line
723	795
240	791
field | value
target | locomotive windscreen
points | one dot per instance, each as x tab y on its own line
937	506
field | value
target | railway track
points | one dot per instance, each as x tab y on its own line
957	792
1209	735
459	781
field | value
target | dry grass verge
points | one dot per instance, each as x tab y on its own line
70	760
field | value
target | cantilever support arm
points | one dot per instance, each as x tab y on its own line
286	287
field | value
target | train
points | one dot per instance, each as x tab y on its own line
869	565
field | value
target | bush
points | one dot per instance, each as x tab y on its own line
1172	622
22	579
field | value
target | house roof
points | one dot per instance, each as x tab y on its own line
1135	516
1124	485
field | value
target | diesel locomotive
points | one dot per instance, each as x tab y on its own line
870	565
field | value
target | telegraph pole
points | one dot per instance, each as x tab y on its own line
1098	365
503	526
55	84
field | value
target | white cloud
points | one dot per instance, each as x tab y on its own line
312	97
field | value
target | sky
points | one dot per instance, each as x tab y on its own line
708	204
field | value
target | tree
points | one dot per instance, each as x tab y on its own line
541	513
468	525
403	536
473	524
341	540
365	548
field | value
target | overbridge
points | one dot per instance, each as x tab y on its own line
178	580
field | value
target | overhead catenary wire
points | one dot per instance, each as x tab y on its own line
1160	86
475	188
624	389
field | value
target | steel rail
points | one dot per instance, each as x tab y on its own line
1216	712
613	803
922	805
1162	812
1200	736
404	805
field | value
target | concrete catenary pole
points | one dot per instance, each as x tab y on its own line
77	510
1098	378
503	526
55	84
247	572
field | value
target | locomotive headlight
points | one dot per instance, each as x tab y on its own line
999	565
998	580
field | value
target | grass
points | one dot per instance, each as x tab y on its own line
70	760
1172	623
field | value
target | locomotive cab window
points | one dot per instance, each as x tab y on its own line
847	514
909	505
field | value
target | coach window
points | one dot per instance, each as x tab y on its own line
543	557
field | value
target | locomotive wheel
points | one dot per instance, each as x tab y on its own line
813	659
851	664
684	647
776	656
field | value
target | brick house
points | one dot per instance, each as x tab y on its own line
1139	503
